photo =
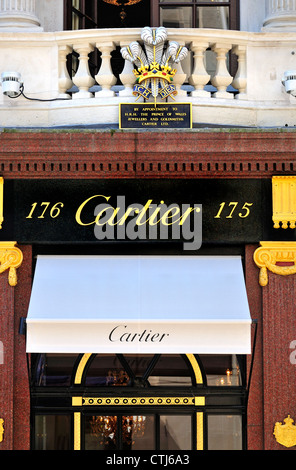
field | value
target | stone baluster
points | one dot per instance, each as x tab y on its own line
105	76
83	79
127	77
179	79
19	15
65	82
281	16
199	77
222	78
240	79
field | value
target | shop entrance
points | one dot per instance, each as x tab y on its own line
138	402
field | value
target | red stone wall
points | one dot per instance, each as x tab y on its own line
256	402
117	154
279	373
14	385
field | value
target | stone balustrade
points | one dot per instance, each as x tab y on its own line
193	72
247	93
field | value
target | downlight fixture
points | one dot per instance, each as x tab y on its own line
11	84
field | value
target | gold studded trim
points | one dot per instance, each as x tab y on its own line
138	401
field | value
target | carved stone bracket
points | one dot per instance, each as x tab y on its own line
11	258
276	257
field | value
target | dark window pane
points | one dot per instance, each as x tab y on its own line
138	363
100	432
215	17
171	370
54	370
176	17
175	432
52	432
106	371
224	432
222	370
138	432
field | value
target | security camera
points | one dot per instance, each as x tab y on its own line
289	82
11	83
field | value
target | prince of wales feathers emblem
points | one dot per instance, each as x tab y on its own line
154	63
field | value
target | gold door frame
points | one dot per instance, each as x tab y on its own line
80	401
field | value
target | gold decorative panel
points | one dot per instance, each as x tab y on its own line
284	201
285	434
276	257
11	258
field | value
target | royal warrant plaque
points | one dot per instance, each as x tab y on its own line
155	116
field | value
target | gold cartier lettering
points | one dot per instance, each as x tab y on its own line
79	210
165	219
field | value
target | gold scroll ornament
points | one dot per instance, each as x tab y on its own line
285	434
276	257
11	258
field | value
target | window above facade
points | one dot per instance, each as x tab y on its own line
132	370
217	14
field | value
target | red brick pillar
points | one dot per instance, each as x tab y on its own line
276	261
6	360
14	386
255	436
279	316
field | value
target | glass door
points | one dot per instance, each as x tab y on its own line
138	431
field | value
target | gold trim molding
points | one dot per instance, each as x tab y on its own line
77	431
138	401
11	258
285	434
284	201
271	255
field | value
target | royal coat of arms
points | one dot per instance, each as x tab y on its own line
154	63
285	434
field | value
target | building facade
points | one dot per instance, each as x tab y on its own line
147	262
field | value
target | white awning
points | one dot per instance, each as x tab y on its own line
139	304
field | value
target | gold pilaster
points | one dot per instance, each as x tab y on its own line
77	431
276	257
284	201
11	258
1	429
199	431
